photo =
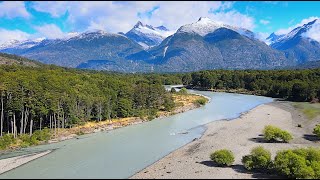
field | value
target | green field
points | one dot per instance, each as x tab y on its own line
308	109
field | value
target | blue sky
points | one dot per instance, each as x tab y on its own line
22	20
281	15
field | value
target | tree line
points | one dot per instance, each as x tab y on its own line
33	98
293	85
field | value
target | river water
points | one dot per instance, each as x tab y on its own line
122	152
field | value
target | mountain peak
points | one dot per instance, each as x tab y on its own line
273	36
296	32
312	22
162	28
204	19
138	24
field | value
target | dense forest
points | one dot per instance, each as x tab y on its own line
33	98
293	85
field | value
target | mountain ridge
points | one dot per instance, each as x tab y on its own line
202	45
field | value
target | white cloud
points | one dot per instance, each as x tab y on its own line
51	31
265	22
121	16
314	32
262	37
13	9
7	35
304	21
234	18
55	8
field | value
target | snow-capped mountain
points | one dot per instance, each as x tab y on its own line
205	26
9	44
204	44
87	48
297	32
21	44
147	35
272	38
16	44
90	35
18	47
297	45
71	35
29	43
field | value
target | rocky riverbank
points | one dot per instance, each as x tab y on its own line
240	136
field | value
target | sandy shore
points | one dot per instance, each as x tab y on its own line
240	136
11	163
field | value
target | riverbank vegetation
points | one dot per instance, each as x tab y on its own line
223	157
300	163
32	99
293	85
37	104
258	159
316	130
275	134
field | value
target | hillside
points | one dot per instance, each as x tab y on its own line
8	59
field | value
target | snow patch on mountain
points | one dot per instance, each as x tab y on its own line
313	32
21	44
302	31
148	36
165	51
9	44
273	37
90	35
148	29
202	27
144	45
205	26
71	35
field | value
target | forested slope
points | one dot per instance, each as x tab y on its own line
8	59
33	98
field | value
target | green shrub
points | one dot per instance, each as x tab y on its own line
285	136
222	157
310	154
316	130
42	135
258	159
6	140
201	101
183	91
79	133
316	168
298	163
35	138
173	90
272	133
168	103
27	140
